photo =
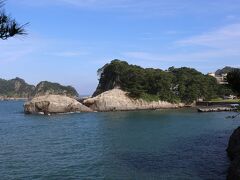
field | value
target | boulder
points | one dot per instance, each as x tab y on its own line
118	100
53	104
233	151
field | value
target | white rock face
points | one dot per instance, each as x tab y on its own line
51	104
117	100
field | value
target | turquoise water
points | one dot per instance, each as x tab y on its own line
167	144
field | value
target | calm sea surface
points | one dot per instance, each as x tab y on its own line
167	144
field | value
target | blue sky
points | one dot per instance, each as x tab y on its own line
69	40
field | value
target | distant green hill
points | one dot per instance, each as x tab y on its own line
46	87
18	88
15	88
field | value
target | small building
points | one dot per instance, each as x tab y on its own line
230	97
235	105
211	74
221	79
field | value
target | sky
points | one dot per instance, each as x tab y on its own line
69	40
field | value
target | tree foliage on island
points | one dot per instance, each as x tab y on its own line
15	88
174	85
8	26
191	85
46	87
233	79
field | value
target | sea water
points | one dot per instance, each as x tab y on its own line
166	144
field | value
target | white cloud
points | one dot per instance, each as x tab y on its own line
223	43
68	53
181	57
16	49
225	37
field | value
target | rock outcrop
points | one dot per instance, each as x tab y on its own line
216	109
53	104
118	100
233	151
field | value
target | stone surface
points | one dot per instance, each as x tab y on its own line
216	109
117	100
233	151
52	104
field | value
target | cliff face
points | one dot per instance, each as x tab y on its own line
111	84
233	151
109	78
118	100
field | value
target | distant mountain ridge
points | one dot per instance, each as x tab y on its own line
224	70
18	88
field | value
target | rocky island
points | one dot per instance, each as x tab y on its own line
44	98
54	104
53	98
118	100
18	89
123	87
129	87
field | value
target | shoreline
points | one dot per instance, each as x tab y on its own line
216	109
112	103
13	99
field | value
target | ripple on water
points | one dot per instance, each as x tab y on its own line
169	144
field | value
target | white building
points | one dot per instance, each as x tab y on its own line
221	79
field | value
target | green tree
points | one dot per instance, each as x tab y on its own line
8	26
175	85
233	79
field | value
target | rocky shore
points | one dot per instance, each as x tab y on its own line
233	151
54	104
216	109
112	100
11	99
118	100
